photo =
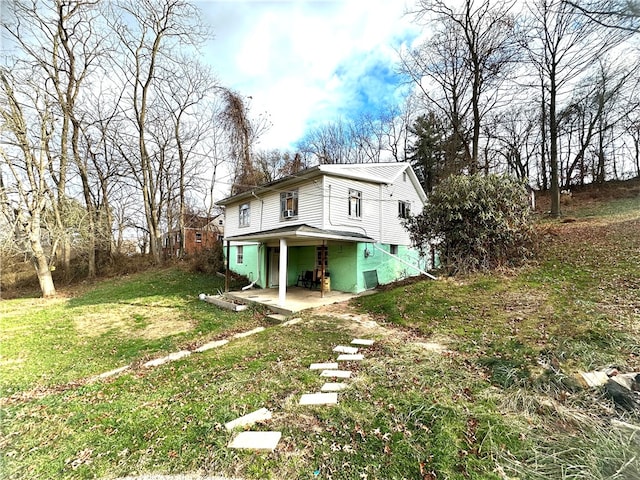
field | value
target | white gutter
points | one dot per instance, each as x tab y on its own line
404	262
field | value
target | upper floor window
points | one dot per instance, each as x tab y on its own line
244	214
289	204
355	203
404	209
198	237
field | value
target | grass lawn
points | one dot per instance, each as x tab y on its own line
470	377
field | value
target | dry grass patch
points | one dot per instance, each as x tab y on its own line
130	322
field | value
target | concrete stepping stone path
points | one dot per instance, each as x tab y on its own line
333	387
250	332
323	366
362	341
249	419
319	399
336	373
343	349
355	357
256	440
169	358
210	345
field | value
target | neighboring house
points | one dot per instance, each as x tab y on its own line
199	233
343	219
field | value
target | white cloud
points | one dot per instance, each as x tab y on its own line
302	62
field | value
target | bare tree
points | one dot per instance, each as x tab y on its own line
468	58
149	32
26	196
563	44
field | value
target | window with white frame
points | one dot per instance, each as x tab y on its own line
239	254
355	203
289	204
404	209
244	214
198	237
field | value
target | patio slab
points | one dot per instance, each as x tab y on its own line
333	387
323	366
256	440
343	349
319	399
336	373
345	357
298	298
362	341
249	419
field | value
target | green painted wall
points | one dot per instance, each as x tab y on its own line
347	264
342	266
389	269
249	265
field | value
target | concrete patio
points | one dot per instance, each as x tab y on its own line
298	298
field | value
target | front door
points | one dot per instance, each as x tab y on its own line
274	267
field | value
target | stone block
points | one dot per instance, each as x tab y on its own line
355	357
319	399
249	419
361	341
336	373
343	349
323	366
333	387
256	440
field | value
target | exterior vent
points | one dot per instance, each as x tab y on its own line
288	214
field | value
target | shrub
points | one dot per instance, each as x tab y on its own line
478	222
210	260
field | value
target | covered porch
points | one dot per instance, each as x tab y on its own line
286	254
297	298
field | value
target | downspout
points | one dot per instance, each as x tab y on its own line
404	262
247	287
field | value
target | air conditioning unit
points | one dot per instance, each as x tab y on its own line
289	214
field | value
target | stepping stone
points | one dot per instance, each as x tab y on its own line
595	379
333	387
277	317
336	373
345	357
343	349
362	341
210	345
256	440
293	321
323	366
250	332
111	373
249	419
319	399
169	358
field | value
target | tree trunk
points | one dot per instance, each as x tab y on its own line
553	160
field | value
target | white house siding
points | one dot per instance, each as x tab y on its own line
336	201
400	190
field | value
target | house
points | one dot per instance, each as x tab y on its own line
200	233
338	222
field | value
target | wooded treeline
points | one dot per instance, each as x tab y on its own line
112	124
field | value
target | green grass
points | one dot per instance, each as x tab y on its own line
501	402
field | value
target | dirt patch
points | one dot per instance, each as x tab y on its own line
128	322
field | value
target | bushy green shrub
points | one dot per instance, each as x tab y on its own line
477	222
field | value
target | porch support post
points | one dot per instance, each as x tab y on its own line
226	271
282	273
322	260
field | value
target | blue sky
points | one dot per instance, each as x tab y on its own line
305	62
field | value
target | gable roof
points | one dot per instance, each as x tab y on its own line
381	173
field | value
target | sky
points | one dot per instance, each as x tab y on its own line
303	63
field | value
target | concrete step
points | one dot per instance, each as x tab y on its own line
333	387
343	349
336	373
362	341
345	357
323	366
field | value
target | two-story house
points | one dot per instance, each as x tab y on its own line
343	221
